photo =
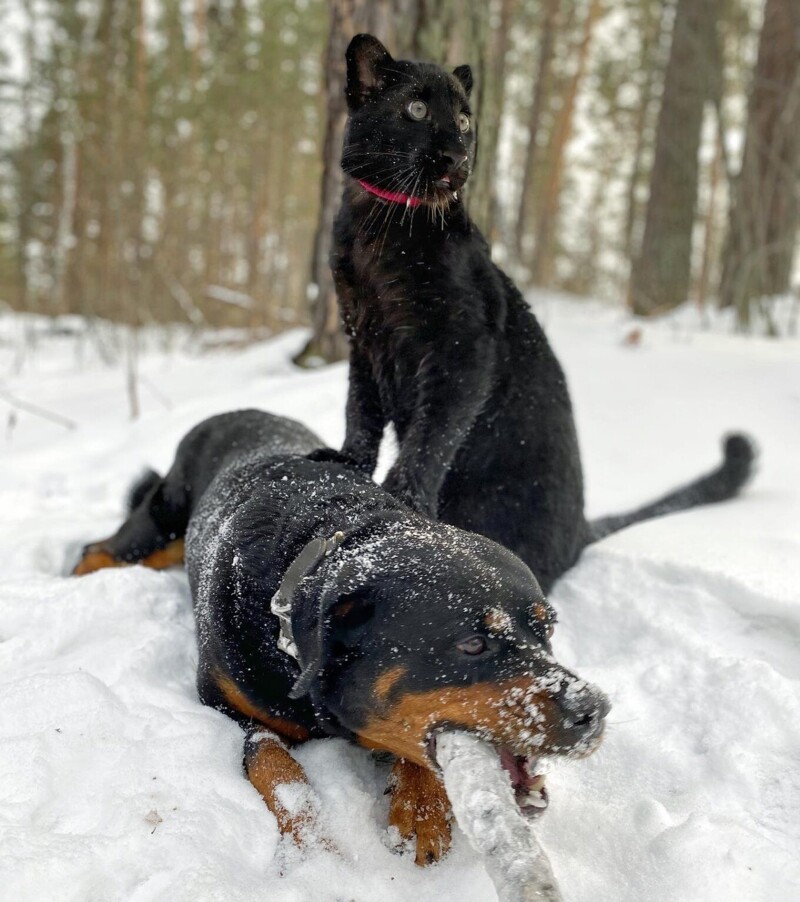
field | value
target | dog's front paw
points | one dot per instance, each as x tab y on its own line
419	810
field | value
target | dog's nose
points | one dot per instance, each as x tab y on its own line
583	706
454	159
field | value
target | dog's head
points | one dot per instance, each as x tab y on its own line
427	628
410	128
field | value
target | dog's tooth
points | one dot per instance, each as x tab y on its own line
534	800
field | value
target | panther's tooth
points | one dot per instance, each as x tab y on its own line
537	784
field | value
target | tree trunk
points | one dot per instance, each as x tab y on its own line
710	227
653	63
762	229
661	273
25	168
544	254
328	343
483	201
546	54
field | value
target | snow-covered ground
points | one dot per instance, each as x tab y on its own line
115	783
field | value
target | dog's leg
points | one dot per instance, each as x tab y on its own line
169	556
95	557
151	535
282	783
99	556
420	808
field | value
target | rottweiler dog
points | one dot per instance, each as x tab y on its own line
325	606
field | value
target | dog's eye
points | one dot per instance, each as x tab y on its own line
417	109
463	122
475	645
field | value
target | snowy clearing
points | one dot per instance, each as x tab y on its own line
115	783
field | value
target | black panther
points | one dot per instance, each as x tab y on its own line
443	345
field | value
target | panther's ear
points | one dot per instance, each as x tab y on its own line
341	621
367	60
464	75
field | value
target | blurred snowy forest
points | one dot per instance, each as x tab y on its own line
177	160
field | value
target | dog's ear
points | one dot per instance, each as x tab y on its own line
367	62
349	618
464	75
342	620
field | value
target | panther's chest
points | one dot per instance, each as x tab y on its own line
395	295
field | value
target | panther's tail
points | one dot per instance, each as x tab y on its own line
720	484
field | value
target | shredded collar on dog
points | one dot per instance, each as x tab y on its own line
307	561
393	196
303	565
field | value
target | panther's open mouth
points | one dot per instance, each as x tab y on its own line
530	792
448	186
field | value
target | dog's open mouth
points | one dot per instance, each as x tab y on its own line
530	792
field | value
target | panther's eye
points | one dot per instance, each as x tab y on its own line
417	109
463	122
551	628
475	645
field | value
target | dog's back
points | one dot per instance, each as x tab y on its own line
160	507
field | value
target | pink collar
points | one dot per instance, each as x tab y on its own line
392	196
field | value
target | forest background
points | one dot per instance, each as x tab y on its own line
176	161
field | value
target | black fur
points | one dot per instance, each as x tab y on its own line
159	507
443	345
400	591
720	484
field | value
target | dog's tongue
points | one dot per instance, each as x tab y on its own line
484	805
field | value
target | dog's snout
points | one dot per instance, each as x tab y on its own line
584	707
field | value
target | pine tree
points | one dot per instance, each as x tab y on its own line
661	272
762	230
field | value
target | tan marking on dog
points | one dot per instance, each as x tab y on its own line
420	807
169	556
270	767
385	682
502	710
540	611
234	696
497	621
98	558
93	561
